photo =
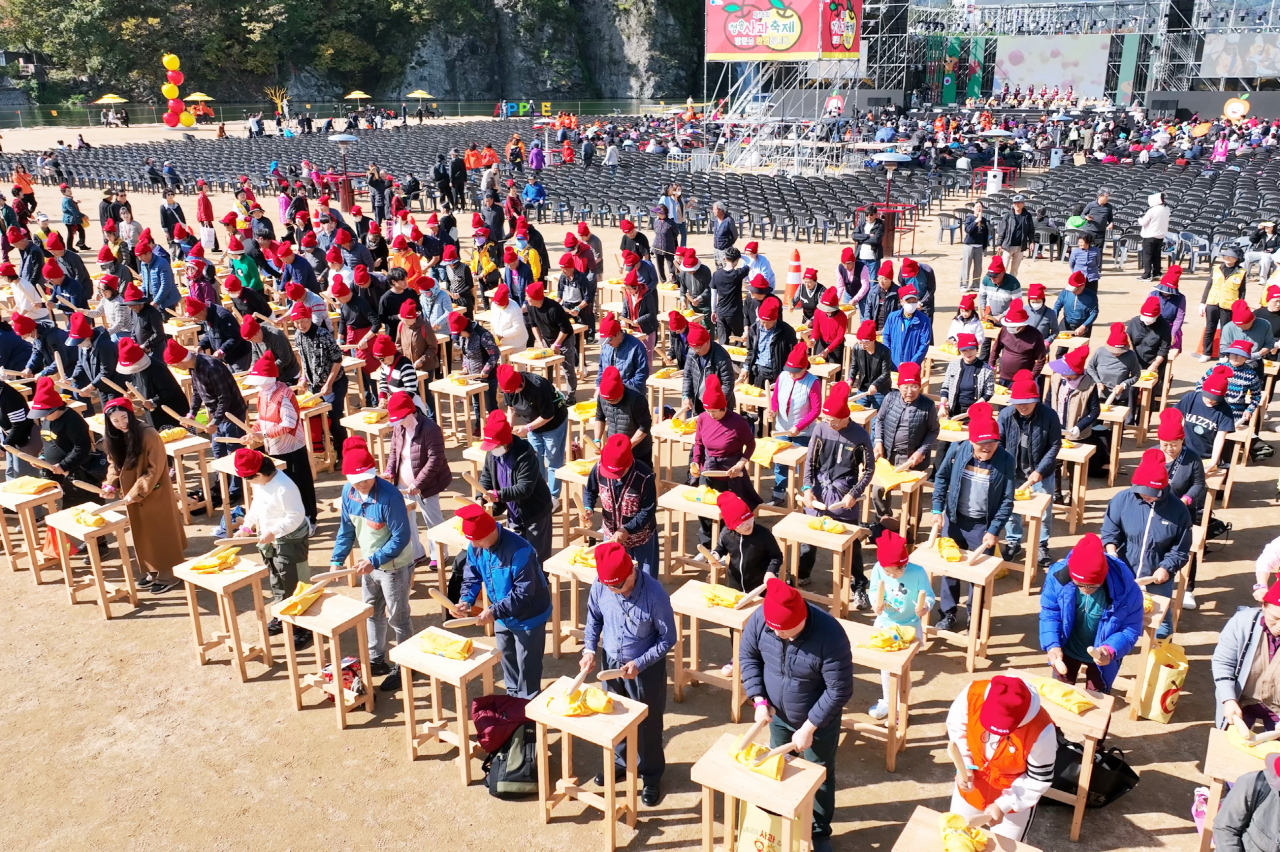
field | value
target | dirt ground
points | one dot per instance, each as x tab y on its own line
120	740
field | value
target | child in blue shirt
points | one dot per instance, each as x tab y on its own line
1087	258
900	606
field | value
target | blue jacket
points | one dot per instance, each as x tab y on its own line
533	193
1145	542
513	581
157	280
908	339
946	485
1088	261
1076	311
299	269
630	358
15	353
808	678
387	507
1120	627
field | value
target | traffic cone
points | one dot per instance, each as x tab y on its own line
793	275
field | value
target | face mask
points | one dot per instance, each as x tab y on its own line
258	381
478	242
1035	306
499	452
1148	320
522	244
909	308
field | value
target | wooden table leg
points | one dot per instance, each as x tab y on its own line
891	724
1140	679
340	697
1082	788
975	618
1117	434
555	616
464	732
268	656
544	774
7	542
708	819
233	629
788	832
291	661
410	716
988	600
1032	544
362	643
95	563
633	805
837	584
206	484
194	609
31	540
695	646
735	690
730	820
224	484
180	480
677	675
1211	811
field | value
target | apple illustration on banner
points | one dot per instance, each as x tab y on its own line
776	28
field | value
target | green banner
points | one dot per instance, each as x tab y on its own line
950	68
977	53
1128	68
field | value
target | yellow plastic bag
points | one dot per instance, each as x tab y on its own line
372	417
825	524
750	390
28	485
583	410
767	448
301	599
949	347
1022	494
888	478
957	836
1063	694
442	643
1166	673
683	427
771	768
761	831
174	433
582	467
666	372
816	360
736	350
85	518
584	557
718	595
537	354
953	426
216	561
1148	605
585	702
949	550
702	494
893	638
1259	751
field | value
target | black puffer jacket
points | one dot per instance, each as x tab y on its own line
808	678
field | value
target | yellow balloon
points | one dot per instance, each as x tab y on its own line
169	91
186	119
171	62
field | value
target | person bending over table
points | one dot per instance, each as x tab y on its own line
1246	665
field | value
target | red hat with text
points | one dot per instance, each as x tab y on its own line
613	564
1151	477
784	607
1087	561
837	402
616	457
1006	705
891	549
733	509
477	524
497	431
982	423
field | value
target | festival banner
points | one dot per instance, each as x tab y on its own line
950	66
977	53
841	27
764	30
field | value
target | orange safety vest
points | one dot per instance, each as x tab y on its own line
1009	761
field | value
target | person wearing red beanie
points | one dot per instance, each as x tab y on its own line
627	516
278	421
416	464
705	358
908	331
1246	325
631	626
1018	346
1150	529
1186	479
1032	434
1090	600
906	445
967	379
722	441
540	416
513	474
1150	336
897	585
1242	648
797	670
576	292
623	410
984	473
1010	744
770	340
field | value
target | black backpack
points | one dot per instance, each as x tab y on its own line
511	772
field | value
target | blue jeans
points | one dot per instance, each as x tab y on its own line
646	555
780	472
1013	529
683	230
227	429
549	446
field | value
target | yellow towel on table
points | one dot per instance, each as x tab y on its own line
689	314
372	417
85	518
585	702
28	485
584	557
888	478
736	350
442	643
816	360
1067	445
702	494
216	561
953	426
666	372
767	448
537	354
771	768
892	638
309	400
457	379
1064	695
1147	376
668	285
718	595
857	406
825	524
585	409
301	599
1001	391
750	390
582	467
1022	494
1148	605
683	427
949	348
957	836
1259	751
1066	335
949	550
174	433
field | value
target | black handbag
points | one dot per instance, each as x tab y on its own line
1112	776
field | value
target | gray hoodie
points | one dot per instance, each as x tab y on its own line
1249	819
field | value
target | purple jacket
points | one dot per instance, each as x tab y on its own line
431	469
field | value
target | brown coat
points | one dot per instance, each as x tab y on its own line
158	536
418	343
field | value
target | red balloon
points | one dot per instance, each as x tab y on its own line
175	77
171	119
176	106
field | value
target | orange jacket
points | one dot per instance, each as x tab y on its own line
488	156
471	159
1009	763
409	261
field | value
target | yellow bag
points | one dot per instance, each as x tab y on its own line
957	836
372	417
217	560
949	347
301	599
953	426
949	550
718	595
825	524
736	350
771	768
85	518
1105	407
986	323
309	400
537	354
888	478
1022	494
668	285
702	494
174	433
761	831
683	427
1148	605
750	390
582	467
666	372
816	360
767	448
1063	694
1259	751
586	409
584	557
895	637
28	485
585	702
442	643
1166	673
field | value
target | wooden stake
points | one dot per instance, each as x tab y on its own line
962	768
772	753
751	733
750	597
577	683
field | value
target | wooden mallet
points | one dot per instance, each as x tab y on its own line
772	753
878	603
185	421
751	597
577	683
962	768
462	622
609	674
751	734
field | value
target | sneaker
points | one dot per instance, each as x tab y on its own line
727	669
947	622
861	600
802	582
391	683
650	795
275	627
378	668
700	558
302	639
555	505
162	586
148	579
1203	359
879	710
1043	558
1188	600
1012	552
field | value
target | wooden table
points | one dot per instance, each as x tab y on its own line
354	368
1146	391
1077	457
325	460
1089	727
375	434
659	388
982	574
545	367
793	531
196	450
1114	417
1031	510
224	585
561	568
687	602
445	536
1223	764
605	730
790	797
1138	684
225	467
1237	441
117	523
329	616
24	507
898	665
572	487
679	511
665	436
790	459
455	393
439	671
921	834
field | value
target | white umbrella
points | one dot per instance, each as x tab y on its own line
996	134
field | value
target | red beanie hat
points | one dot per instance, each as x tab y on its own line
830	298
265	366
1241	313
810	273
909	268
79	328
509	378
337	288
611	386
1077	280
1035	291
249	327
798	358
535	291
17	235
613	563
175	352
753	247
1171	428
501	296
1273	594
509	255
308	239
568	260
1117	336
609	326
891	549
1215	384
713	394
383	346
399	406
996	266
886	269
1076	359
837	402
360	275
969	301
52	271
570	241
584	229
132	294
1087	561
630	259
677	321
760	283
128	355
408	309
497	431
784	607
697	335
1006	705
457	322
248	462
616	456
333	255
964	340
400	243
106	255
294	291
846	254
193	306
1024	388
477	524
450	253
908	373
733	509
982	423
867	330
232	284
769	309
22	324
357	462
1016	315
234	245
54	242
908	291
1151	477
343	236
1151	307
1171	277
46	397
1273	292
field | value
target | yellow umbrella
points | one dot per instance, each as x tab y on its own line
198	96
111	99
418	93
355	96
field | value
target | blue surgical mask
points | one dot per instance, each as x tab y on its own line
521	243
